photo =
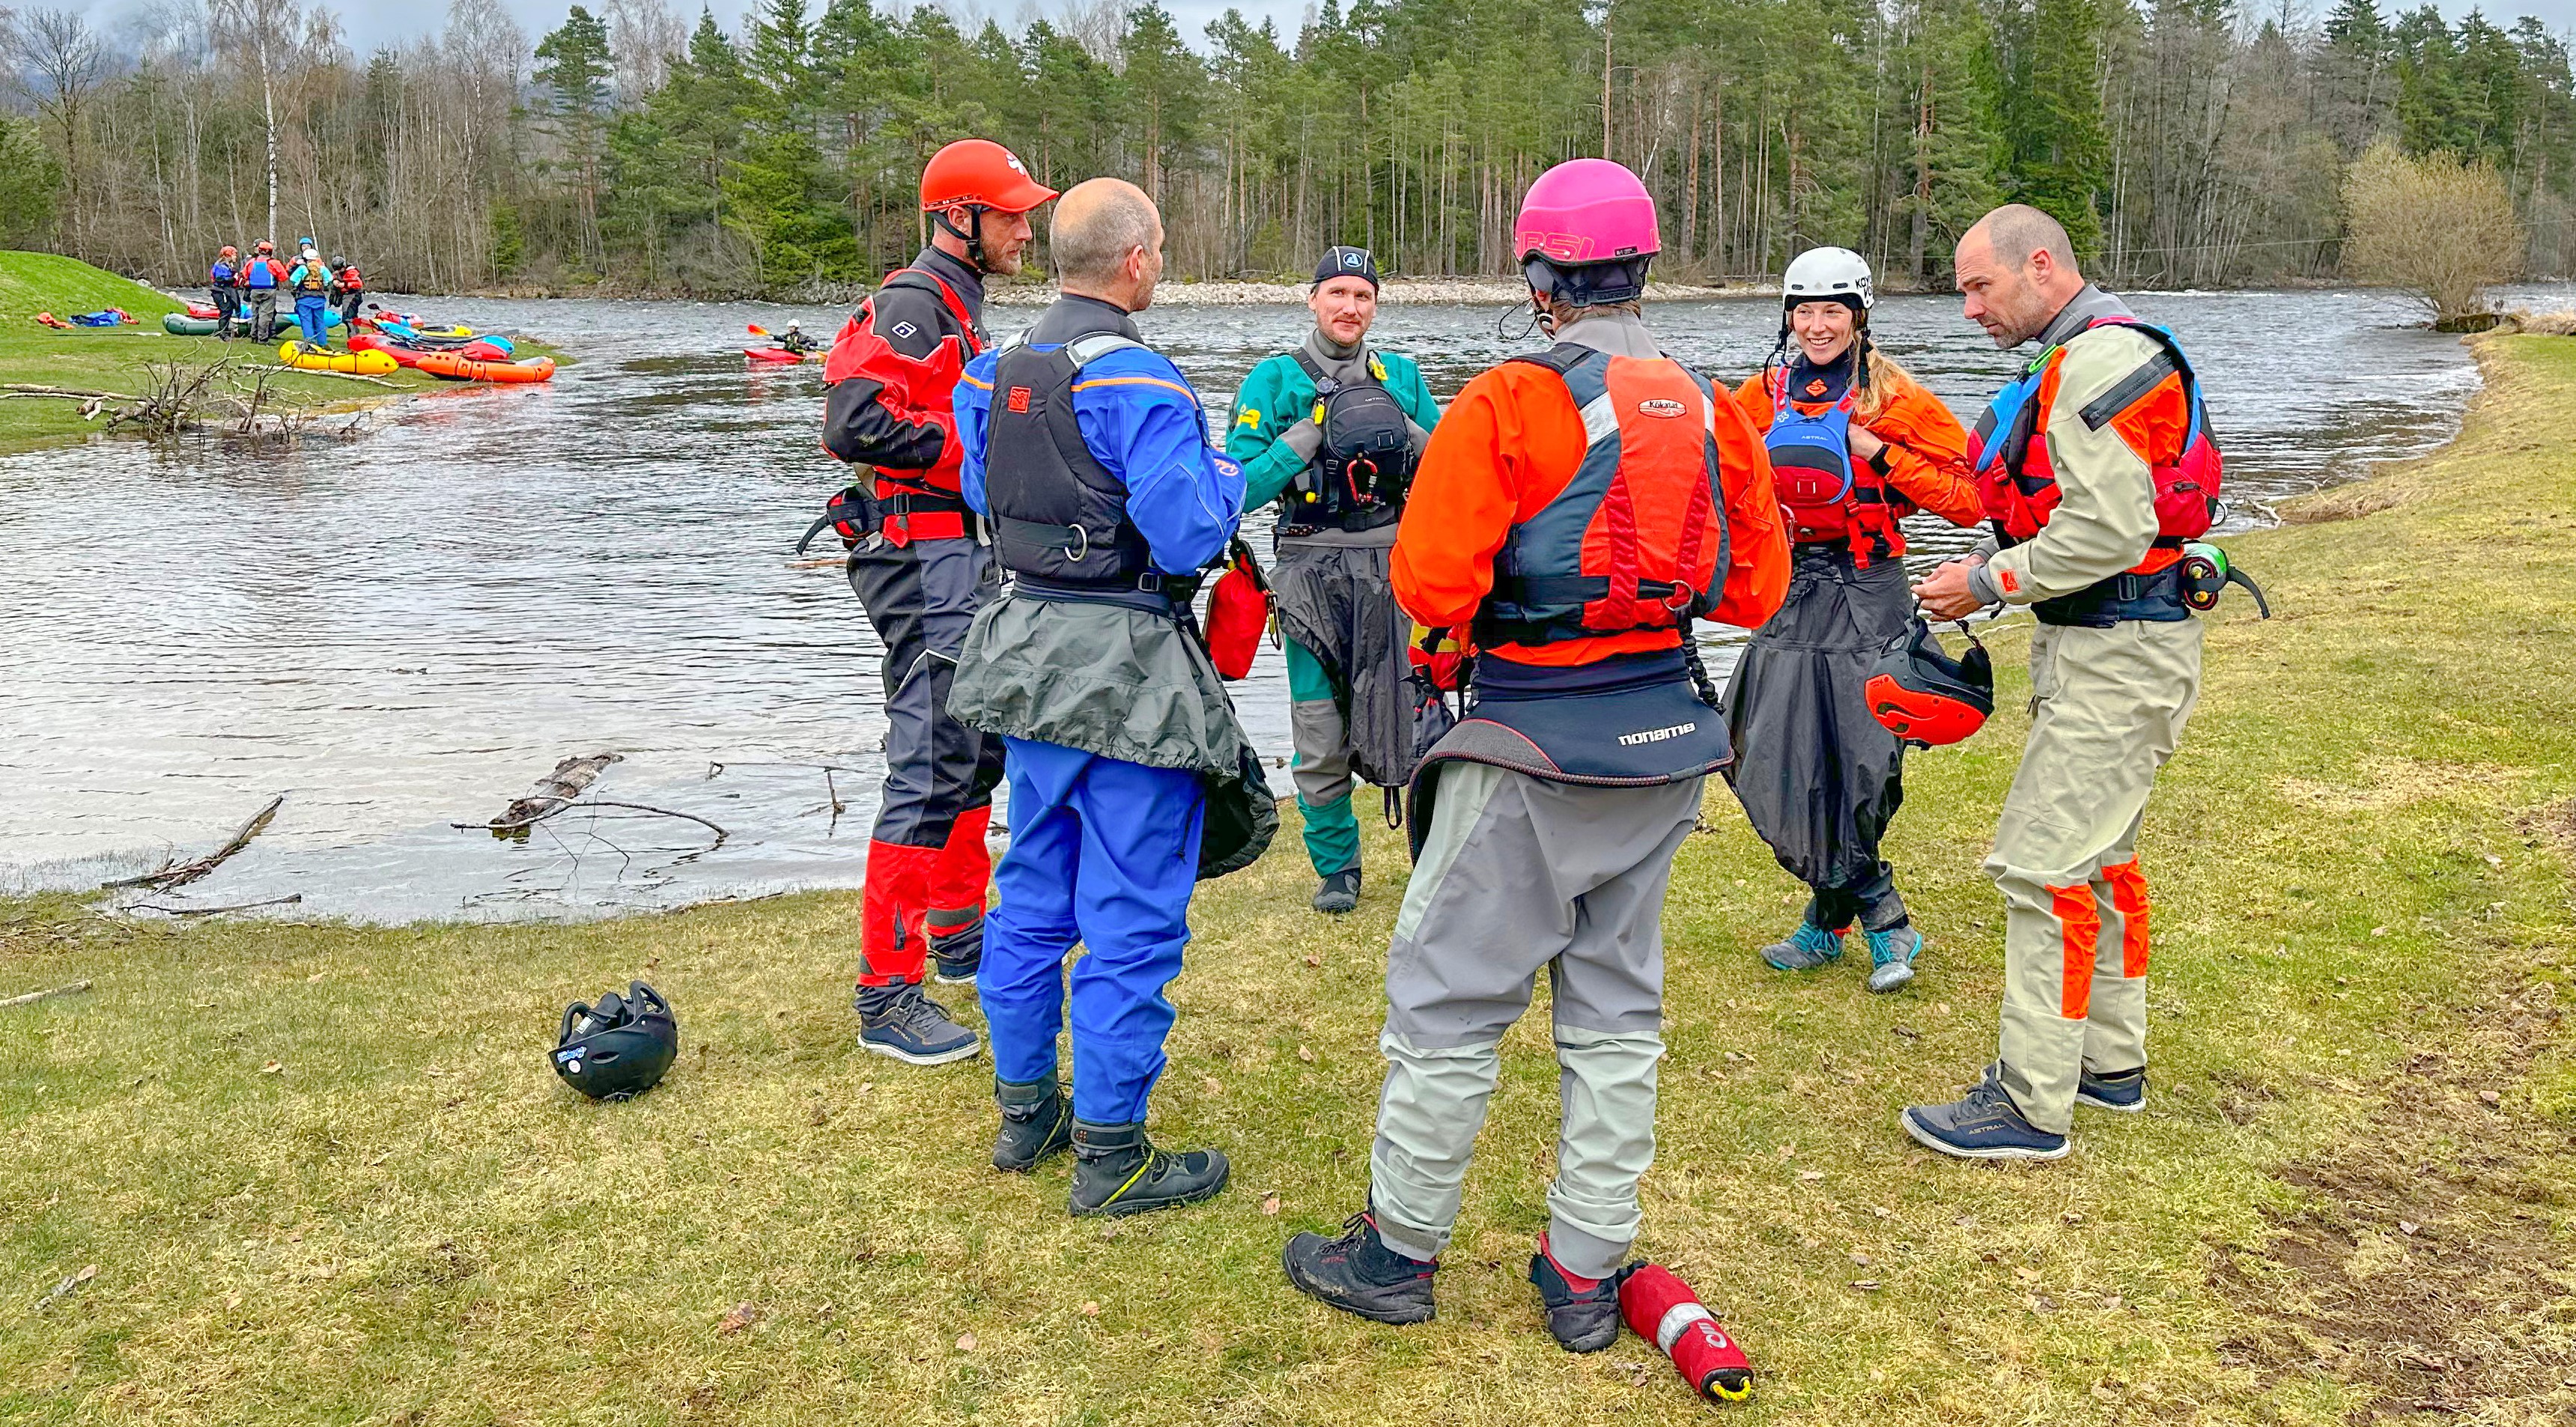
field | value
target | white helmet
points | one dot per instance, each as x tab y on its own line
1823	274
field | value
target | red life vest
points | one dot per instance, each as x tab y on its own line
2020	489
1829	493
914	505
1637	539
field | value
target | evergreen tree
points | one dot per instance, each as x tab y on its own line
575	66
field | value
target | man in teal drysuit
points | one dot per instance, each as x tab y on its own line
1350	710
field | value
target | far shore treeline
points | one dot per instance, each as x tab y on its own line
2185	142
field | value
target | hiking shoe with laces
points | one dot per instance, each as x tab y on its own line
955	956
1983	1124
1037	1123
1116	1170
1891	956
1358	1273
899	1022
1582	1313
2124	1091
1340	893
1807	948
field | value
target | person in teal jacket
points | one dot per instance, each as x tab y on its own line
1330	432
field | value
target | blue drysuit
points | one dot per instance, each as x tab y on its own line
1103	851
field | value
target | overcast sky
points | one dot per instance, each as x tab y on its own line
373	22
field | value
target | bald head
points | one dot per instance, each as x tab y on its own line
1108	242
2016	271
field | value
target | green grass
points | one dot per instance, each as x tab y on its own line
2362	930
113	358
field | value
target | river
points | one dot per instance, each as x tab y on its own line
402	629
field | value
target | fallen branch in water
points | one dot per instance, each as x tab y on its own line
720	833
291	899
180	876
33	997
549	795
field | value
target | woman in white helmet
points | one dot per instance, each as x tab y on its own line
1856	446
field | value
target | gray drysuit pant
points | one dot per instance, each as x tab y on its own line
1518	874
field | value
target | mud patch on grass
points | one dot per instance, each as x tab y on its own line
2427	1263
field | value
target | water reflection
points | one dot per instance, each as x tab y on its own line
402	630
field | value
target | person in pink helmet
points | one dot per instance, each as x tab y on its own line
1578	510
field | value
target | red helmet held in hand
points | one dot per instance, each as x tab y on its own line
1926	697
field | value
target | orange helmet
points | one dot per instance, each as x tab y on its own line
228	251
980	174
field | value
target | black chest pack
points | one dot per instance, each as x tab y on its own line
1358	480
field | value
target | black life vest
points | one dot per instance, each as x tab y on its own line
1058	514
1359	479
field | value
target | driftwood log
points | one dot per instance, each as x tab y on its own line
186	872
33	997
551	794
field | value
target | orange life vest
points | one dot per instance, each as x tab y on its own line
1637	539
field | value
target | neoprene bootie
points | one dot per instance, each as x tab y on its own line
1037	1122
1116	1170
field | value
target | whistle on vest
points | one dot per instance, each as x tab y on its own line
2206	574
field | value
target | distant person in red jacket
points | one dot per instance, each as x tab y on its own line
348	289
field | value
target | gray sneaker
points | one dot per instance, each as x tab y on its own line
1891	956
902	1024
1340	893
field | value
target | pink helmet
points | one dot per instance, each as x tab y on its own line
1586	211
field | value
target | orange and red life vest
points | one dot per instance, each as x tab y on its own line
1637	540
2013	473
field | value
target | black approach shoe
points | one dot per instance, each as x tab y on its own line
2124	1091
1340	893
1582	1320
955	956
1116	1170
1358	1273
1037	1122
899	1022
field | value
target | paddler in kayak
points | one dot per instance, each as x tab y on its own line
795	340
1856	446
1582	509
920	572
1331	432
2096	467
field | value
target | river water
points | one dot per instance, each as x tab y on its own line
401	630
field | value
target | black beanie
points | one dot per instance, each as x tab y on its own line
1346	262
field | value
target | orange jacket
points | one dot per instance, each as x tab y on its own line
1927	449
1505	448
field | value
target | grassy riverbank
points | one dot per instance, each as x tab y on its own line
113	359
325	1175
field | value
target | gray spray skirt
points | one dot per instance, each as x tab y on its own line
1336	601
1819	778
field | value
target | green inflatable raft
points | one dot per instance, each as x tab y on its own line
181	325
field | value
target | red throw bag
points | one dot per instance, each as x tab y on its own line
1238	612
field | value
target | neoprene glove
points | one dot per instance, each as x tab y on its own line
1305	438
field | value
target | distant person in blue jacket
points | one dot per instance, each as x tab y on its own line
223	285
311	282
1089	452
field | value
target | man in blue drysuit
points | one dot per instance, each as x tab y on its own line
1088	452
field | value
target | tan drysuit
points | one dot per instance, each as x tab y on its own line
2107	709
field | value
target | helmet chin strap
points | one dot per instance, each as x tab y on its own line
973	237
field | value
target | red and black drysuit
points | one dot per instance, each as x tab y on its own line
921	573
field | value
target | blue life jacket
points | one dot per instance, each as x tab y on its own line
260	274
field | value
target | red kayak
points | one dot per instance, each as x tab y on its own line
201	311
776	354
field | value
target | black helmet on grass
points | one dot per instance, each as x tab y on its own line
617	1049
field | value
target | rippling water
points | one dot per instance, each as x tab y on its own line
401	630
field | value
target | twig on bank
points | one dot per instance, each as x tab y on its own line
64	1289
38	389
33	997
180	876
291	899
